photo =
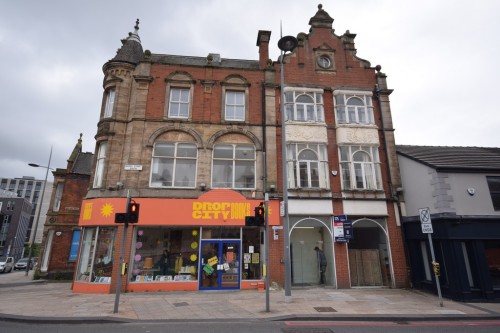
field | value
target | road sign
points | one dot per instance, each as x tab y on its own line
425	220
427	228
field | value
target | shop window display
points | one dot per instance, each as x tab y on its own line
251	266
165	254
96	255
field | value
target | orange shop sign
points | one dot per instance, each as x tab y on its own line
216	207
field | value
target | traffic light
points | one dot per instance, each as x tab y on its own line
259	215
133	212
120	217
436	268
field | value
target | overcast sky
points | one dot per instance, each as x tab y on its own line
441	59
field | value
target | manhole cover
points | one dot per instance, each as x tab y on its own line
324	309
306	330
181	304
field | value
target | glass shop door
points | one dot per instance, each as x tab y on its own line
220	265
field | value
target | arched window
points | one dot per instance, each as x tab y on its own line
308	164
306	106
354	107
360	168
174	165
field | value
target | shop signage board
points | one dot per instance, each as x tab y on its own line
338	228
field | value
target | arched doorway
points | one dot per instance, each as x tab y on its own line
305	235
370	254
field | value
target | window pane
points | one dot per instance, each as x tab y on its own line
355	101
185	172
222	151
304	99
314	174
222	174
163	171
303	174
186	150
164	149
245	153
244	174
358	173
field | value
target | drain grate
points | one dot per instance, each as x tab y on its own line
324	309
180	304
306	330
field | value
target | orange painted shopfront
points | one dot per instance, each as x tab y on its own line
178	244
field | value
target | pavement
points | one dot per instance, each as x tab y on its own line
24	299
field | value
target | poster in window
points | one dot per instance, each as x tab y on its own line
255	258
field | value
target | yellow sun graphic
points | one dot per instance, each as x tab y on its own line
107	210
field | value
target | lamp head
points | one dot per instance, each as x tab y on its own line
287	43
33	165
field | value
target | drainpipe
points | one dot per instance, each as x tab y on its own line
393	197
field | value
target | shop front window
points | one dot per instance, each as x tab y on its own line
96	255
492	249
165	254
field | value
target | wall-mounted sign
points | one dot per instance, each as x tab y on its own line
133	167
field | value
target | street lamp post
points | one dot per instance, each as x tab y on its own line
286	44
30	252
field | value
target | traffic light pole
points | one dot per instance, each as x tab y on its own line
266	247
122	255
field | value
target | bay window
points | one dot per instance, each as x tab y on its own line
307	165
360	168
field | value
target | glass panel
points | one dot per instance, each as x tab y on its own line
303	174
164	149
355	101
310	113
86	255
103	262
308	155
358	172
242	152
314	174
165	254
300	112
251	269
230	265
244	174
163	170
186	150
185	173
222	174
222	151
304	99
352	114
209	262
492	251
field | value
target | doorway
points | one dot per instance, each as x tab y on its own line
220	265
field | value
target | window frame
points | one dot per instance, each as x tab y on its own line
292	106
175	158
351	114
181	88
494	192
350	168
109	103
234	160
294	162
240	107
100	164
